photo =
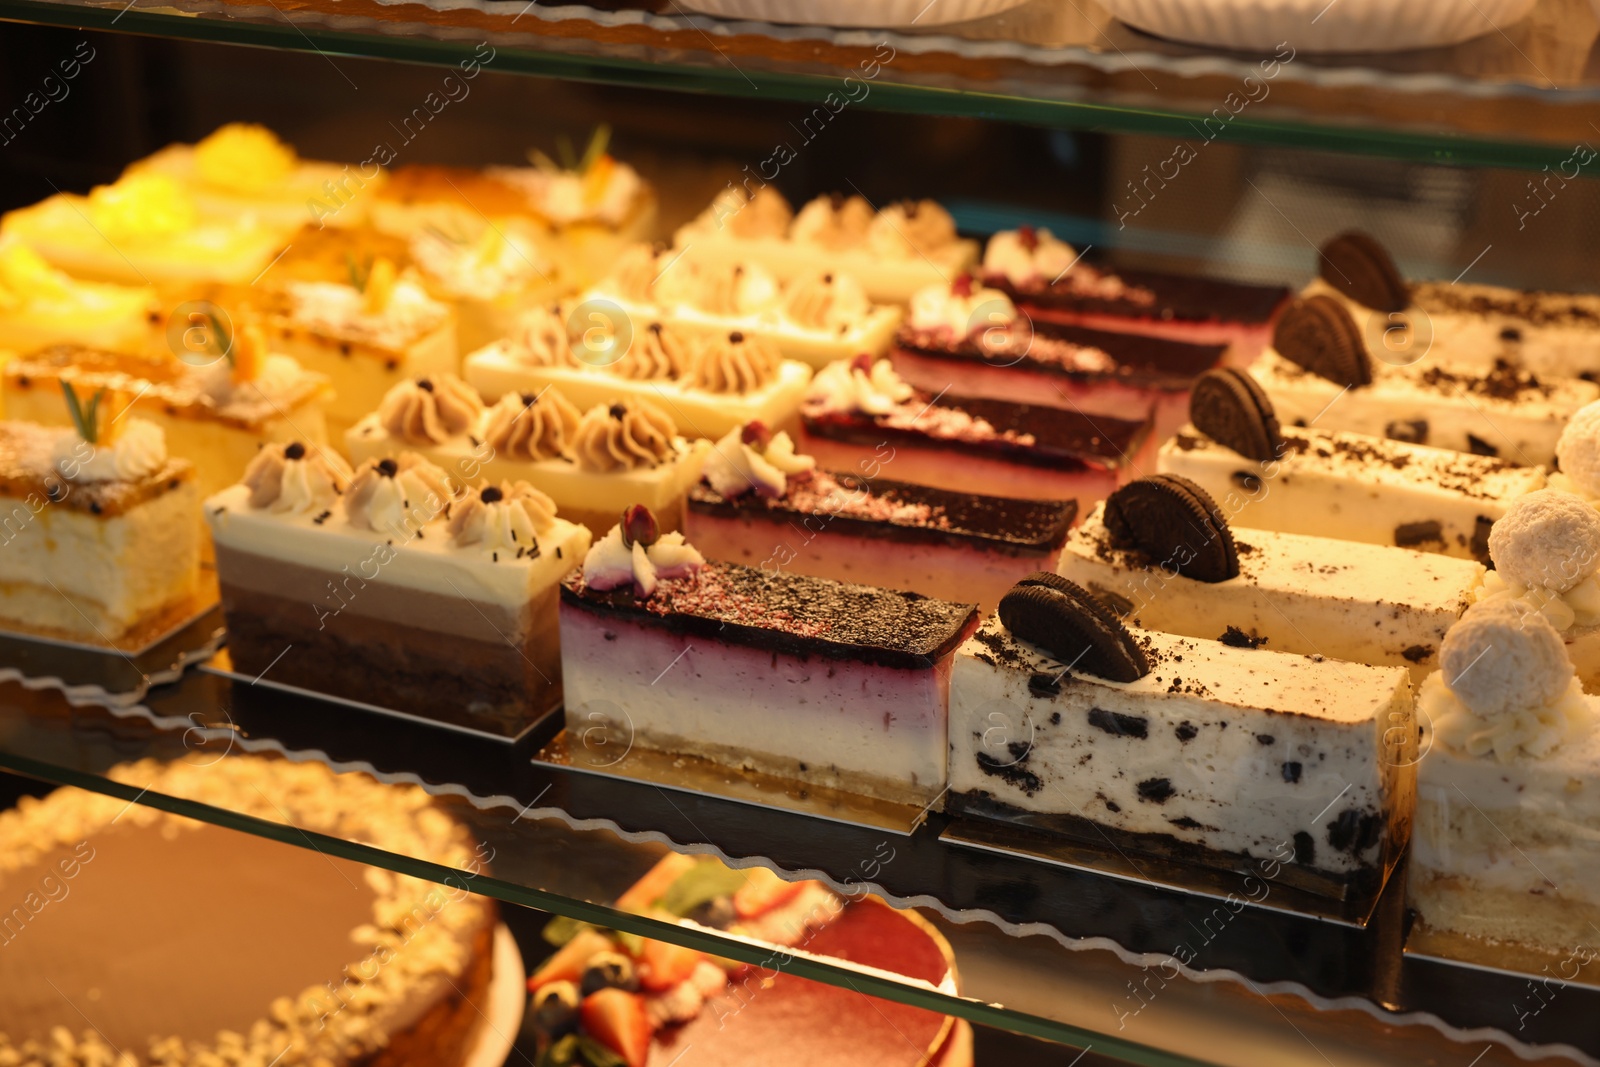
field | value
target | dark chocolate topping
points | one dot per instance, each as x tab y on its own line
792	614
1319	334
1047	610
901	511
1061	440
294	450
1177	297
1359	267
1232	409
1175	522
1073	352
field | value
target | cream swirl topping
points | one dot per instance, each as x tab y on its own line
1505	686
532	426
294	478
429	411
747	458
540	339
617	559
1027	256
633	276
910	229
735	291
766	214
623	436
834	222
733	364
657	353
1546	552
961	308
139	451
826	302
845	385
506	518
397	496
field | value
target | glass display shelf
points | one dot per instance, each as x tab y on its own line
1045	951
1523	95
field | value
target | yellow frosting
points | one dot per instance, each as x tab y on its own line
141	207
24	274
244	157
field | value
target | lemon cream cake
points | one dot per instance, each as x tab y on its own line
1319	368
215	415
815	319
894	251
762	504
386	589
709	385
593	464
334	962
1194	749
1161	554
860	412
807	679
144	229
41	305
1508	792
1347	486
100	527
1463	325
243	169
366	334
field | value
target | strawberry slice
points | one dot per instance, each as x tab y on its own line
663	965
761	892
568	961
617	1020
649	889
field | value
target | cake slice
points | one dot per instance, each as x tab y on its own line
41	305
490	273
859	412
593	465
100	528
381	587
1064	720
1050	280
819	682
244	170
215	414
144	229
760	504
709	384
366	334
975	342
1467	327
894	251
1319	369
1161	554
814	319
1508	791
1341	485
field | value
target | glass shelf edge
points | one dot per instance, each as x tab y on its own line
600	915
1087	115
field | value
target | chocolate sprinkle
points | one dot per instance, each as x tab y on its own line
294	450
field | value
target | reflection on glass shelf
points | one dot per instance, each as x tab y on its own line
1075	990
1522	95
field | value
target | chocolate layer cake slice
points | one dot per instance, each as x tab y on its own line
816	681
1048	279
1065	721
863	413
762	505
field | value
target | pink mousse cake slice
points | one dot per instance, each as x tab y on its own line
859	411
760	504
1051	281
821	682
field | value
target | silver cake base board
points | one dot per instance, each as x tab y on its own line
221	665
701	777
1246	887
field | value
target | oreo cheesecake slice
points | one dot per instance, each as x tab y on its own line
1332	484
1066	721
1470	327
1161	553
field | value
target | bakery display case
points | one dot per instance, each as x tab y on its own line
1071	519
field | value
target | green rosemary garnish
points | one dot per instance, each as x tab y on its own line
359	272
599	141
221	336
85	418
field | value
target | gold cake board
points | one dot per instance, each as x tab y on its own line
690	775
1458	950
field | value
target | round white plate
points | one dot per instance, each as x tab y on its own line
502	1006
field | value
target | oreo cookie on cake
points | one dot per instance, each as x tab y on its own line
1163	554
1066	720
